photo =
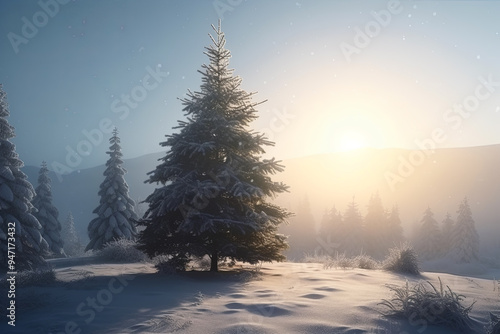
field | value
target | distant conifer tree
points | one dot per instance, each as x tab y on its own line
47	214
465	237
115	214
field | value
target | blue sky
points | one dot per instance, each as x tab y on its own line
336	74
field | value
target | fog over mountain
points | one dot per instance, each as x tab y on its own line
439	181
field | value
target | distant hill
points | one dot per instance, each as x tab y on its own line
441	182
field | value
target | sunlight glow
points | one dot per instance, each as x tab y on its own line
351	141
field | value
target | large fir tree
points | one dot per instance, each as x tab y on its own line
16	193
115	214
214	192
47	214
465	237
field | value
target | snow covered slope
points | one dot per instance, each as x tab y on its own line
281	298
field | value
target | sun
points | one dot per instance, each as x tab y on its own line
351	141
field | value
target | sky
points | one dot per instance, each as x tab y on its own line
337	75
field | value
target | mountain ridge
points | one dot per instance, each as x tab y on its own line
440	182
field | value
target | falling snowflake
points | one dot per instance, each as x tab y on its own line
478	57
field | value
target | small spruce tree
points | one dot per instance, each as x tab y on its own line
331	232
47	214
465	237
301	231
213	198
115	214
428	239
395	229
352	242
72	245
376	228
448	227
18	227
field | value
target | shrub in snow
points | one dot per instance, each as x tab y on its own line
215	187
315	258
121	250
115	214
423	302
47	214
202	263
16	193
169	265
37	277
364	261
494	325
402	259
340	260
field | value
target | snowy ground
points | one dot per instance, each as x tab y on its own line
281	298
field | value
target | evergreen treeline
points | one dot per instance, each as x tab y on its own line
380	229
352	234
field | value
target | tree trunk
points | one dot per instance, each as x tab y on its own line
214	261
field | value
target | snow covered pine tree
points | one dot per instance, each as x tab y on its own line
116	215
352	233
47	214
428	239
16	193
465	237
214	184
72	244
